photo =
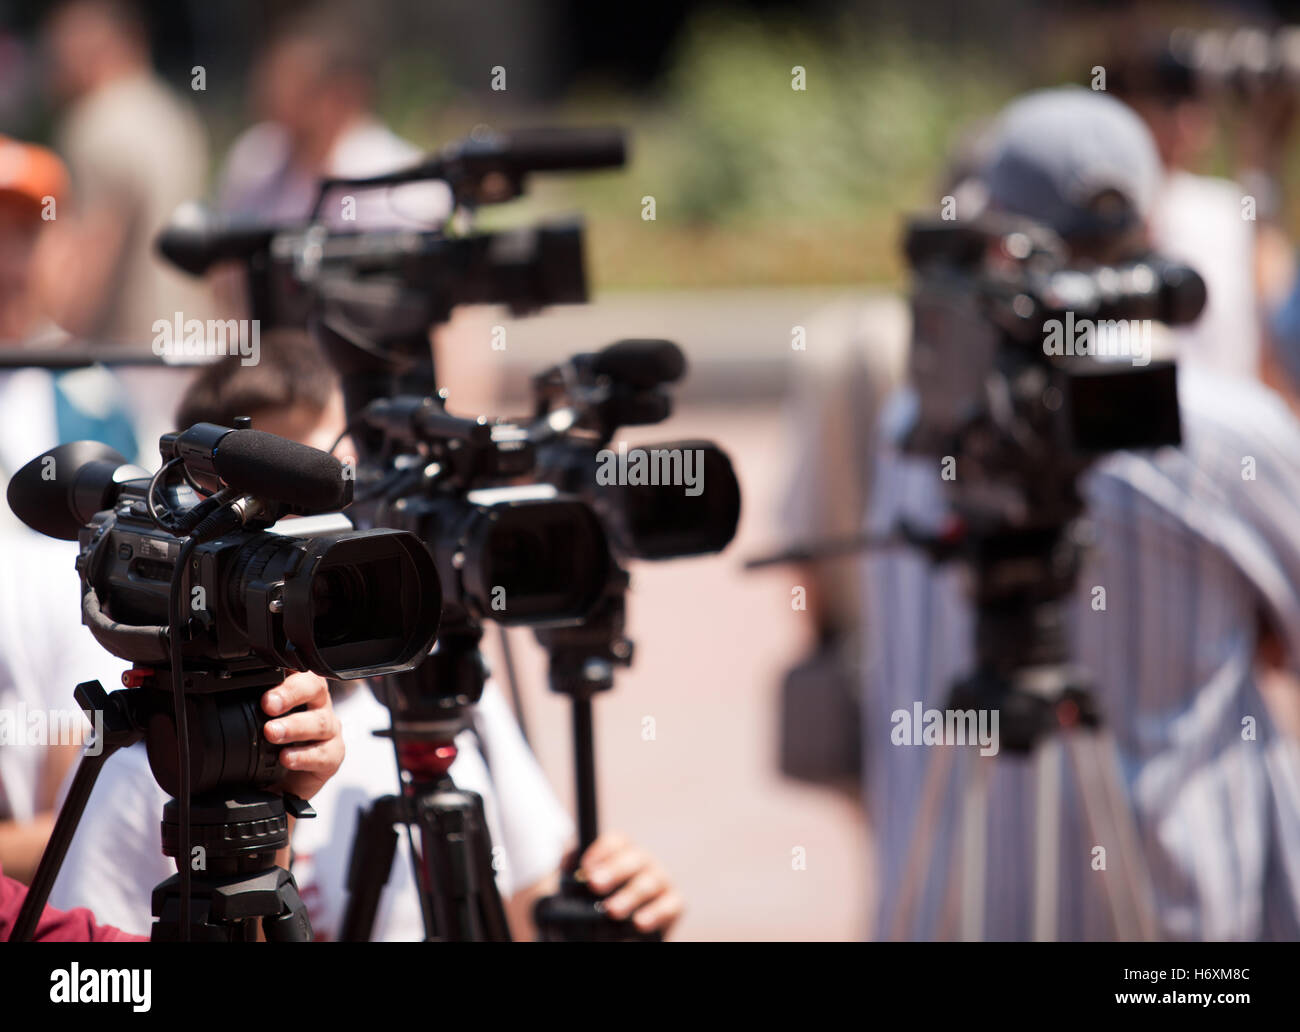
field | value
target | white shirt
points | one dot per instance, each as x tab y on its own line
260	181
116	856
1198	220
44	654
1189	551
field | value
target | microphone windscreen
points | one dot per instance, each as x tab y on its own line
558	150
271	467
641	363
195	239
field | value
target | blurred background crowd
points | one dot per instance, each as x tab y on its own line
775	208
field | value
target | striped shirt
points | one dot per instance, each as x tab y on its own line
1191	545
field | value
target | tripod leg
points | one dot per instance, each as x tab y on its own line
457	860
962	909
584	767
118	730
1142	889
57	848
1127	885
495	922
374	844
975	835
1047	838
920	849
950	904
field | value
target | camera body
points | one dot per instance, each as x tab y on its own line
252	603
342	605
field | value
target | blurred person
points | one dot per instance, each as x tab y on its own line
311	752
1265	123
76	925
38	408
1195	218
1201	565
44	652
855	357
314	93
136	152
293	391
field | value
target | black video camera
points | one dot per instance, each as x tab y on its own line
519	554
665	500
374	295
254	603
1025	368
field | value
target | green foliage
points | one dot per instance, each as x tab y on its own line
776	185
871	129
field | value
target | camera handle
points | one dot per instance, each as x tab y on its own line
582	663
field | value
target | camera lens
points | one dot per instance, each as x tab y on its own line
351	605
535	562
666	521
338	596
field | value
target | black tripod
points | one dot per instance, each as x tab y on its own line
236	828
1022	583
582	662
457	887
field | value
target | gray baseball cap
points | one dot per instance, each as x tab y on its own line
1075	160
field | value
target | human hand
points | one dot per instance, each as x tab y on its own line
632	884
311	741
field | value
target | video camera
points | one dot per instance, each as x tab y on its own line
515	513
372	297
520	554
346	605
1026	369
579	406
181	576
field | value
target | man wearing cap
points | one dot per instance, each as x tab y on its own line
44	651
33	182
37	409
1198	551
